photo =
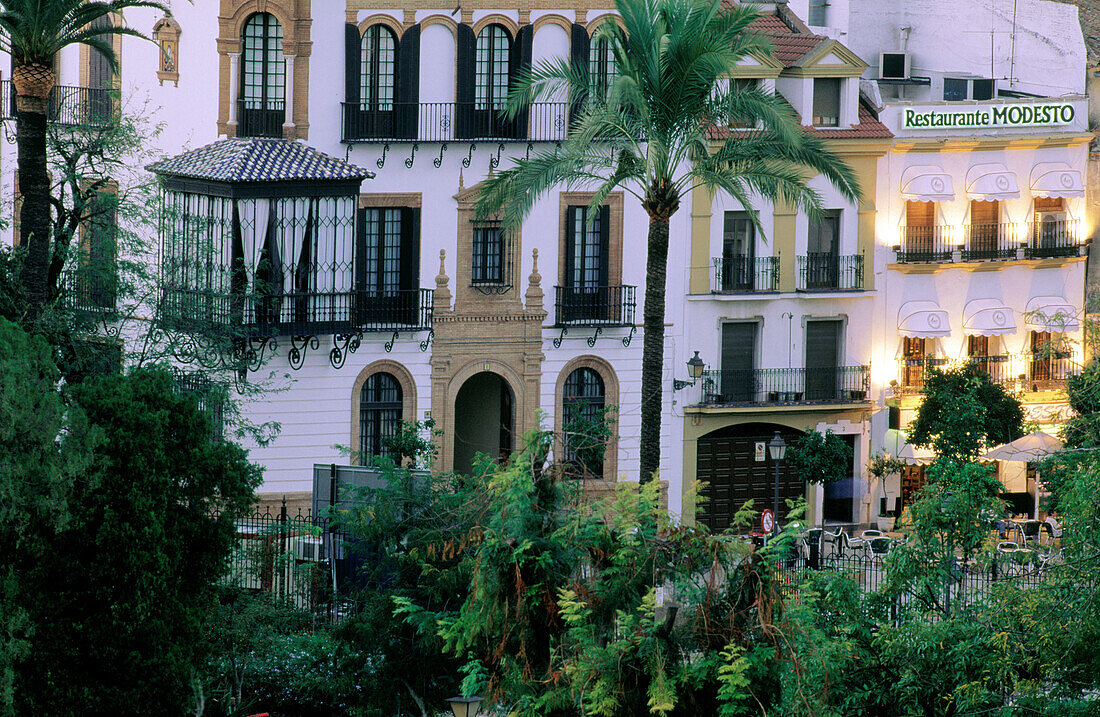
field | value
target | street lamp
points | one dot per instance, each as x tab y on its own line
695	371
464	706
777	448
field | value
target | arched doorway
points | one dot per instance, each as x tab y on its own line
730	463
484	420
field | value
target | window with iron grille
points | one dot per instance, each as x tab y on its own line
380	403
382	254
489	255
378	69
492	62
602	69
586	240
582	403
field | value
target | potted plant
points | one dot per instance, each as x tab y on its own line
879	466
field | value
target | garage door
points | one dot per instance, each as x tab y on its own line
726	462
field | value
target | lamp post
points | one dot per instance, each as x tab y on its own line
777	448
695	371
464	706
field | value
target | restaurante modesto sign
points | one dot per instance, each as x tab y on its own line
978	116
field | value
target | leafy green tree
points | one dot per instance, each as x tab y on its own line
821	457
33	32
559	615
38	473
123	587
963	413
659	132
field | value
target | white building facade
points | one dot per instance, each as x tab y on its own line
428	314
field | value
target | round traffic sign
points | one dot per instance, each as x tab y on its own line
767	520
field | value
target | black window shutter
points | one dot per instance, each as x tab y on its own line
605	244
410	248
361	254
351	81
464	82
520	63
408	83
570	244
578	58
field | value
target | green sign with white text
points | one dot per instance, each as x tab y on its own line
982	116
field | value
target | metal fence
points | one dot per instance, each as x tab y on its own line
925	244
594	305
830	272
302	559
764	386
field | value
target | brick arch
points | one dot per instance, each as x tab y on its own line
495	19
553	19
610	398
381	19
601	19
244	9
445	21
408	393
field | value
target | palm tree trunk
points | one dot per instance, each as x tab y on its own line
653	347
34	215
33	82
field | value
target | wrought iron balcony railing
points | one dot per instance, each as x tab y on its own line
769	386
594	306
925	244
830	272
68	106
736	274
1030	371
1053	238
86	290
259	118
989	242
297	313
452	121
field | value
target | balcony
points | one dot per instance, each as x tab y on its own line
87	291
259	118
829	272
989	242
594	306
67	106
452	121
1053	239
1016	372
784	386
306	313
745	275
925	244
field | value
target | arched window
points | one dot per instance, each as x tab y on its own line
583	421
377	69
602	69
263	78
492	63
379	412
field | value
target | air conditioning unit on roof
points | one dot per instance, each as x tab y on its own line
893	66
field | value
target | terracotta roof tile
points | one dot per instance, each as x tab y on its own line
789	46
868	128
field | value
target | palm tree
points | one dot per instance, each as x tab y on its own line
659	131
33	32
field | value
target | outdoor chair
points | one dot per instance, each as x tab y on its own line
1007	547
1052	529
1029	532
868	534
880	546
855	544
837	540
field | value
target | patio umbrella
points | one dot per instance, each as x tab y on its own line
896	443
1030	448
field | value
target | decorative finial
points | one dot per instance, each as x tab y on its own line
442	299
461	183
535	278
